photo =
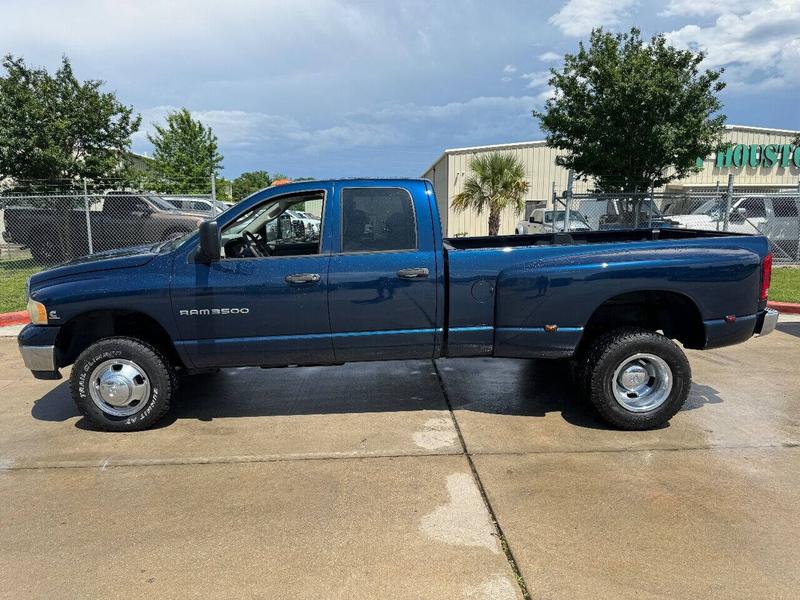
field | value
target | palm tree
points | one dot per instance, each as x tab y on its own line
497	182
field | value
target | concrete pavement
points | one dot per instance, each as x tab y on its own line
353	482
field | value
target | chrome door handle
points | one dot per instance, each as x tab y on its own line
415	273
303	278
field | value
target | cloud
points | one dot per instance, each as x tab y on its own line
536	79
579	17
550	56
757	48
694	8
396	132
509	69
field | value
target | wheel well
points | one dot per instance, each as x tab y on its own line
676	315
82	331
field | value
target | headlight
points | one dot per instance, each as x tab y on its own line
37	312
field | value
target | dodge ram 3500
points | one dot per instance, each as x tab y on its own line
377	281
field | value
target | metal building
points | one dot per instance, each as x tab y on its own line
765	159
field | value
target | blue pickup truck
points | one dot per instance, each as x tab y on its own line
366	275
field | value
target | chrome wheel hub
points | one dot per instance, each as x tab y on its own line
642	382
119	387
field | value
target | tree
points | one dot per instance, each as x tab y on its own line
498	181
633	115
250	182
53	127
185	154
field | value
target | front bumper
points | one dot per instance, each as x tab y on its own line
37	345
767	320
39	358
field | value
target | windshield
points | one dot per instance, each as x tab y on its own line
162	204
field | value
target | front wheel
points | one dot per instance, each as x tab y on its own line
122	384
636	379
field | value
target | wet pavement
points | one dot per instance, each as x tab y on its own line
366	481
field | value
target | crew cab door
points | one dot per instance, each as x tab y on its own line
383	272
253	308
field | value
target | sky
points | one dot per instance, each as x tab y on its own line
335	88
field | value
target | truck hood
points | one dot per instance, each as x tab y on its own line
121	258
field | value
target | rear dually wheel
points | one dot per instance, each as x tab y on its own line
635	378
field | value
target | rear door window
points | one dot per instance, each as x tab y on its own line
377	220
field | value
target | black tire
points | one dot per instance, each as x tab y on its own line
608	352
159	376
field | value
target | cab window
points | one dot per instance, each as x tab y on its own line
283	226
377	220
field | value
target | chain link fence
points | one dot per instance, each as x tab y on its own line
774	214
43	229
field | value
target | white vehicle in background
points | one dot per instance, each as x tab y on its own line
196	204
310	222
777	217
545	221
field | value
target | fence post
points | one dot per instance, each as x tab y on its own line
718	201
213	194
88	220
728	195
567	199
797	250
555	200
651	207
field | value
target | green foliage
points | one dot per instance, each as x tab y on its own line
250	182
497	182
13	275
630	114
53	127
184	154
785	284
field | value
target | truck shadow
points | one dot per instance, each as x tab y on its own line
511	387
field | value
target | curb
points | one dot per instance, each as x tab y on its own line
14	318
785	307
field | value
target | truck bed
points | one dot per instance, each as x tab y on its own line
534	295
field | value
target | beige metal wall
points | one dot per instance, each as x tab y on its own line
450	171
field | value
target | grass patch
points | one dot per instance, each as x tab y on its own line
13	274
785	286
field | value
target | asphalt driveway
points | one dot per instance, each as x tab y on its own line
463	479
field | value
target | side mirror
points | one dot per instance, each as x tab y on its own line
210	242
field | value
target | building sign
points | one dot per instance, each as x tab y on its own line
757	155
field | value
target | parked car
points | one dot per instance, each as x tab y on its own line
773	216
542	221
118	220
196	204
380	283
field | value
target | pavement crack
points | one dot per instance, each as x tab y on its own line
512	562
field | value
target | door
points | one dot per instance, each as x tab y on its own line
264	303
383	274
